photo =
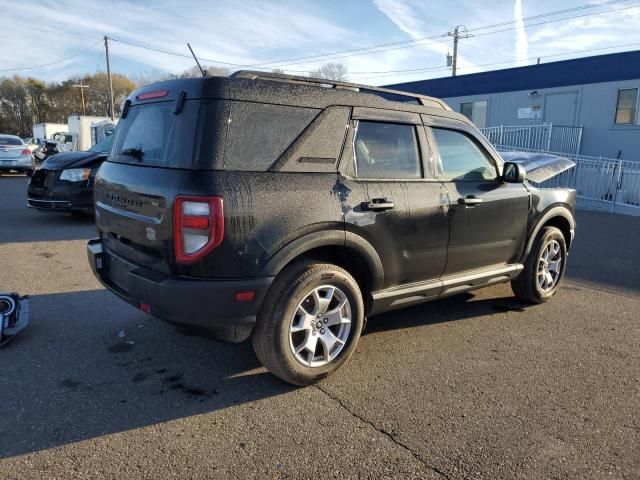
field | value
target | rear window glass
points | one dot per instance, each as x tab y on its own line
152	135
260	133
10	141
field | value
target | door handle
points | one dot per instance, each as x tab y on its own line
469	201
378	204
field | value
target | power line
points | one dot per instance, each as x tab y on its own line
336	57
549	14
419	41
176	54
33	67
560	19
320	55
379	48
183	55
362	50
393	73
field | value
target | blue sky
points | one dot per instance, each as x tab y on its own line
273	33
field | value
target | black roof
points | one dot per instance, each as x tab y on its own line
578	71
295	91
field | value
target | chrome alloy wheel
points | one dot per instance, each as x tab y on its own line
320	326
549	266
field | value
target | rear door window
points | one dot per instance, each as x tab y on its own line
152	135
386	150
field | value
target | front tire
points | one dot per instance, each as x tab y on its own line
309	323
544	268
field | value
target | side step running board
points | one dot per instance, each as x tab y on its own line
405	295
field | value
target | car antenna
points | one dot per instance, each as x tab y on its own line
203	71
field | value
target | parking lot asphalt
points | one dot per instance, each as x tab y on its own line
474	386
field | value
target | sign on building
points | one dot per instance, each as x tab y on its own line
530	113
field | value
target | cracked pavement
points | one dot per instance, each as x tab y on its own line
474	386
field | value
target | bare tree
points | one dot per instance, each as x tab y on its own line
211	71
331	71
157	75
25	101
150	76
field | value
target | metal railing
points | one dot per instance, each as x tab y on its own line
543	137
601	183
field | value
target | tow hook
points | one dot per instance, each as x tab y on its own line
14	316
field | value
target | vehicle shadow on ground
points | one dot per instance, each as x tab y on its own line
70	376
90	365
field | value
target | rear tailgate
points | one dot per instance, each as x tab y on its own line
151	158
134	219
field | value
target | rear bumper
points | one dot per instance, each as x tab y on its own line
205	304
7	165
5	168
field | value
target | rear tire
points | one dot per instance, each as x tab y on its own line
542	274
309	323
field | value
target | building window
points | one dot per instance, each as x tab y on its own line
476	112
626	107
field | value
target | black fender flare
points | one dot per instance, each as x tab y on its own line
328	238
557	211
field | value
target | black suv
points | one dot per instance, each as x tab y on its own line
287	209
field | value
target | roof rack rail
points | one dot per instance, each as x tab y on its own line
282	77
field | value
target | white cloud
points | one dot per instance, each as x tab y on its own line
522	46
236	32
254	31
418	19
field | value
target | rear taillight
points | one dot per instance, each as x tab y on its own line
25	152
198	226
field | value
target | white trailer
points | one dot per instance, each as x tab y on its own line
46	130
80	126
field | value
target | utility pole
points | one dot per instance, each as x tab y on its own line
81	87
106	49
458	32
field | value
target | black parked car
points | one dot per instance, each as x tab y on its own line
64	182
288	209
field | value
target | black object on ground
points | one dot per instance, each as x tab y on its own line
14	316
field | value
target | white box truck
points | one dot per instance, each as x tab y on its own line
80	126
46	130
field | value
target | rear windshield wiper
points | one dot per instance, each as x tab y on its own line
136	153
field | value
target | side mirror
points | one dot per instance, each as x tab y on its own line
513	172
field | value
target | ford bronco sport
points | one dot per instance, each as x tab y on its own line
287	209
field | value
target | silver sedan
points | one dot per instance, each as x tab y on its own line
15	156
